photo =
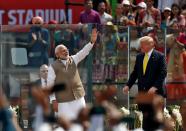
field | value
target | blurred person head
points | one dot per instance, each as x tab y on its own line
119	9
166	12
126	6
110	28
62	52
146	44
52	22
88	5
142	5
44	71
149	3
37	20
152	107
184	14
175	13
108	7
124	20
175	10
101	7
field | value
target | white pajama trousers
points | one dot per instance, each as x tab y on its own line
70	110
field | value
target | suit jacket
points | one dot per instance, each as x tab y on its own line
155	74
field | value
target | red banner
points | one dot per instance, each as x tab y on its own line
20	12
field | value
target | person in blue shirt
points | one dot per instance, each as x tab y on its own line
38	43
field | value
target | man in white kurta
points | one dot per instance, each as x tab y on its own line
70	108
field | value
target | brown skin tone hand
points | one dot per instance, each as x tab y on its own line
94	35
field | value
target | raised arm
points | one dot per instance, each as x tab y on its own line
87	48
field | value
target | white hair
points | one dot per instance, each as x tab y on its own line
59	46
38	18
43	66
146	39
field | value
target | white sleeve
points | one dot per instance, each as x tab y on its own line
52	97
51	80
51	75
82	53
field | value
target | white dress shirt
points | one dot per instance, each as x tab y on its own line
150	53
105	18
148	17
48	85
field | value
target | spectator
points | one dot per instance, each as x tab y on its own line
43	83
149	17
52	30
126	7
176	66
136	2
165	3
184	14
140	7
176	20
65	36
109	7
165	16
129	15
89	15
117	20
105	17
38	43
109	53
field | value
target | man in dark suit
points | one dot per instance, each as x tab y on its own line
43	83
150	70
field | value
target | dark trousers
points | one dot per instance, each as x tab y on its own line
149	121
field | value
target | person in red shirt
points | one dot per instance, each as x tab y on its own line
149	17
89	15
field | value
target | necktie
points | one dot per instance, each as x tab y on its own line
45	83
145	61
